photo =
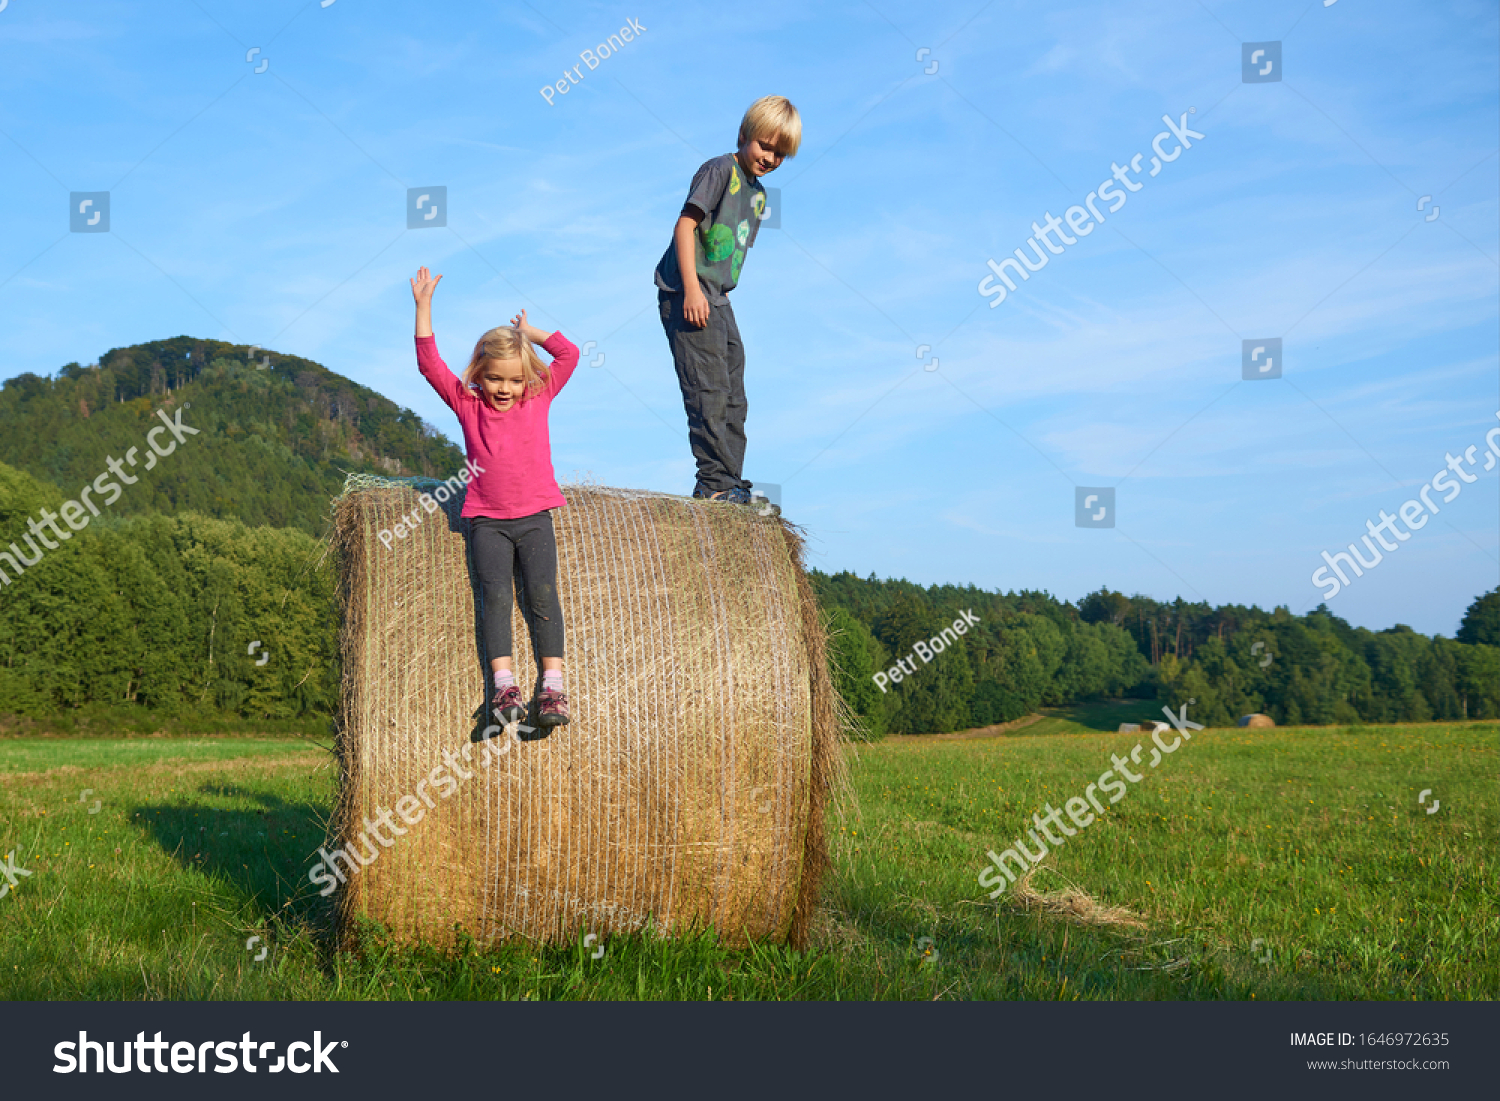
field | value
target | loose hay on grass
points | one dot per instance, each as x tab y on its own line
1072	904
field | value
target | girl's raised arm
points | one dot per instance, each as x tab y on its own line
434	370
421	290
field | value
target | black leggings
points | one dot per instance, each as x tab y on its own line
523	550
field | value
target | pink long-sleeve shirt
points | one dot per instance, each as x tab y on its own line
511	446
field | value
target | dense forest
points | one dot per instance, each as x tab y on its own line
155	615
155	606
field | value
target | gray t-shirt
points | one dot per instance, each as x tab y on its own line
733	204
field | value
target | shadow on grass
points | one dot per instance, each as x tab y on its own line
263	853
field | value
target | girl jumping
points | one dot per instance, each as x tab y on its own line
502	404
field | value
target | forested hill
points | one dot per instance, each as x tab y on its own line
277	435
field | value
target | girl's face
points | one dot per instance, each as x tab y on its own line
502	382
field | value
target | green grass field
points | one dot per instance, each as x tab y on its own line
1284	864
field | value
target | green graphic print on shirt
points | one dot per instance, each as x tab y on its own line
718	243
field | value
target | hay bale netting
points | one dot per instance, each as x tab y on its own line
1257	719
689	790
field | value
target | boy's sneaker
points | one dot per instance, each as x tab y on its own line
552	708
508	705
738	495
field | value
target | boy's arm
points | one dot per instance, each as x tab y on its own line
694	304
704	195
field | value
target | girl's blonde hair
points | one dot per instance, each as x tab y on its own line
773	117
507	342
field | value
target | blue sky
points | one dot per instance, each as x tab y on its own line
269	207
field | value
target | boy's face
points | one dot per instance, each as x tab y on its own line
760	155
502	382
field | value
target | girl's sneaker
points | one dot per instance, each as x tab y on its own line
552	708
508	705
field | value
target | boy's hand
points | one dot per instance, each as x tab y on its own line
423	286
695	306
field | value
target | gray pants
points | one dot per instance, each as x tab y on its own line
519	553
710	366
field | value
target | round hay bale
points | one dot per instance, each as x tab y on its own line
1256	719
688	791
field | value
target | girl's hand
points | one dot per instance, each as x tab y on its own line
423	286
529	331
421	289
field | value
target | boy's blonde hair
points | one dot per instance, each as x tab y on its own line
506	342
773	117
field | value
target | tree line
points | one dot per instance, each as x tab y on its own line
1314	668
1031	650
152	609
157	614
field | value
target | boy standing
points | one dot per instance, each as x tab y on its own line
718	223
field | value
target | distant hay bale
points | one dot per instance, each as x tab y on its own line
689	790
1256	719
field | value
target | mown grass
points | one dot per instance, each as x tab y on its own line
1309	841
